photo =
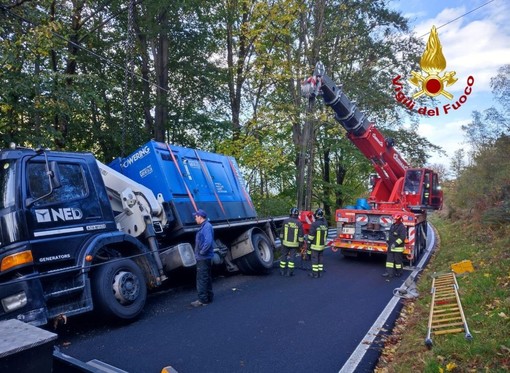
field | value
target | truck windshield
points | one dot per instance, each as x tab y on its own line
412	181
7	183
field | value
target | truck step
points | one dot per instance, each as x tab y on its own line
64	292
74	303
65	287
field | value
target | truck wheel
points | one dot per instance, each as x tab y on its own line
118	289
419	246
260	260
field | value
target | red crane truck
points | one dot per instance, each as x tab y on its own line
396	188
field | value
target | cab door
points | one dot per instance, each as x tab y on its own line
62	216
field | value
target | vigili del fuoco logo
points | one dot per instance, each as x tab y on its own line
432	81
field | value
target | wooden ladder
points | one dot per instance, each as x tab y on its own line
446	314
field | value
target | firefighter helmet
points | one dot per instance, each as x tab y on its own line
294	212
398	218
319	213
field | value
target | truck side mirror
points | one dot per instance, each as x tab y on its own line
54	175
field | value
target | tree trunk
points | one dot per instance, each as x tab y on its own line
340	176
161	65
236	69
327	182
144	69
61	120
308	139
310	145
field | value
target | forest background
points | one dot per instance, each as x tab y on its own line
224	76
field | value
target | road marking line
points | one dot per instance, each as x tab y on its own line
352	363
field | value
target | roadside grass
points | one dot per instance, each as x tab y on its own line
485	297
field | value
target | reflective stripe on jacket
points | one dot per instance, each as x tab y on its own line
318	234
292	233
397	236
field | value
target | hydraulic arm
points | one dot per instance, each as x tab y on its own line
389	165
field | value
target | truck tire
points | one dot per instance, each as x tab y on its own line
259	261
119	290
419	246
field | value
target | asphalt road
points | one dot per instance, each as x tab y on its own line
256	323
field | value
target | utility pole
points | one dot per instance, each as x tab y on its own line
309	90
310	165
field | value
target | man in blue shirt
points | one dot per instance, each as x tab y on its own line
204	251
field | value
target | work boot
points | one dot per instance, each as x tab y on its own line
282	271
313	275
385	274
198	303
290	273
398	274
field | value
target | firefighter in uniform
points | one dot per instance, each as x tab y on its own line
292	238
317	242
395	251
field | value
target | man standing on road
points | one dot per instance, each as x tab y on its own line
204	251
395	251
317	242
292	238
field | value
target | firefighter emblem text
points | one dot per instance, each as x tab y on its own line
432	81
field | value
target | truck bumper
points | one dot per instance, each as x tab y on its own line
355	246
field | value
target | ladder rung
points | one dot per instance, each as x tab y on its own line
445	301
445	281
450	324
444	306
450	274
440	321
445	296
458	330
444	278
447	307
444	285
447	314
449	289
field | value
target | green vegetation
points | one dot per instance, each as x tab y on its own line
473	226
485	296
222	76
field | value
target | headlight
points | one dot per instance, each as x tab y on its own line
14	302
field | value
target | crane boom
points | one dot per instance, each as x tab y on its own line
399	189
388	164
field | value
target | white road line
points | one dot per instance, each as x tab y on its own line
352	363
